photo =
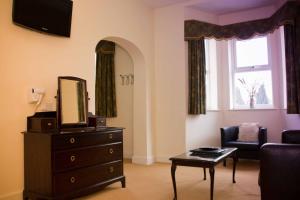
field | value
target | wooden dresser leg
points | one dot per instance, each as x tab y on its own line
25	197
123	182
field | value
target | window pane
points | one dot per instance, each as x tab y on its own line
252	52
258	84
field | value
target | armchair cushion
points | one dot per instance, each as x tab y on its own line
251	146
248	132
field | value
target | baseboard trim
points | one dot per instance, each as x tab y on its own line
127	156
163	159
143	160
12	196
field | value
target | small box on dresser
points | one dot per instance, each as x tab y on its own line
42	122
97	121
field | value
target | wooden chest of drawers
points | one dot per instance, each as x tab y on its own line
73	164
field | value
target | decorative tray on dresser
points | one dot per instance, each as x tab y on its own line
66	163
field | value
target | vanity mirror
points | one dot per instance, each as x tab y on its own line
72	102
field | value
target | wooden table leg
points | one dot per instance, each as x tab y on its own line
212	179
235	159
173	169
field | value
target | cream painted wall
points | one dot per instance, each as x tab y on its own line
31	59
124	93
170	79
253	14
291	121
191	13
203	130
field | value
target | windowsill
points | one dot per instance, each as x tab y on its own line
244	109
254	109
213	110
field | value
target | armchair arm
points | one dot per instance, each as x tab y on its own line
291	136
228	134
262	136
279	171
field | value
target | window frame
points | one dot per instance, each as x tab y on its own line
235	69
211	73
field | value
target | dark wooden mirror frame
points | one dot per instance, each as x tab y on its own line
61	125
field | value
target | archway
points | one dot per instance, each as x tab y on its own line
142	139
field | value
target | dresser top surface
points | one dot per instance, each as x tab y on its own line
82	130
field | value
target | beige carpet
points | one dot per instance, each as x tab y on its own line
154	183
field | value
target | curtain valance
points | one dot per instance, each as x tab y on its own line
195	30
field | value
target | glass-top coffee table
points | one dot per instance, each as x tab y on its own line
204	161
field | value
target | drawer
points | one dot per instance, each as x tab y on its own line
64	141
82	157
79	179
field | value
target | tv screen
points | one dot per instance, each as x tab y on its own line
50	16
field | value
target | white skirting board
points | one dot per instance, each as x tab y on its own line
12	196
143	160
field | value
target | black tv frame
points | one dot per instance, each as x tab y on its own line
43	29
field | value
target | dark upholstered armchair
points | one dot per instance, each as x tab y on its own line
291	136
279	171
247	150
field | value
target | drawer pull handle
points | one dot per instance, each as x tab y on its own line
110	136
111	169
72	140
111	150
72	179
73	158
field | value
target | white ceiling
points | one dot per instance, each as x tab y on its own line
215	6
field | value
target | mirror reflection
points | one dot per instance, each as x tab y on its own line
73	101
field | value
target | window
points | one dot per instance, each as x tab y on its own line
211	74
251	74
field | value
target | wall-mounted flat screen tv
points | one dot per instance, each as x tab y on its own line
50	16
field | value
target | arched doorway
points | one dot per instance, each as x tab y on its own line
142	139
